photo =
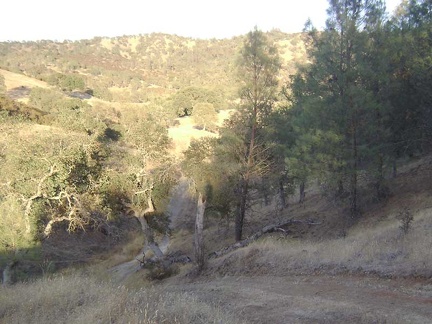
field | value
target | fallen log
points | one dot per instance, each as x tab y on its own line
257	235
166	261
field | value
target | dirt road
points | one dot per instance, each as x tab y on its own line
316	299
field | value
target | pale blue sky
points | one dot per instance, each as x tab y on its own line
83	19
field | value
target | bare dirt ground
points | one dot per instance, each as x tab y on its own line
316	299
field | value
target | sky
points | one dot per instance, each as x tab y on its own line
29	20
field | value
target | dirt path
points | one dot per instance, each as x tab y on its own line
182	206
317	299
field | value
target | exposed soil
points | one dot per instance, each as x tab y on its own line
316	299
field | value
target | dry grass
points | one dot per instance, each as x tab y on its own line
183	134
383	250
14	80
374	244
83	299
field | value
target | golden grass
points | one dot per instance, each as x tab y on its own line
14	80
383	250
184	133
83	299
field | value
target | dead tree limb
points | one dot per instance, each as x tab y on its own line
255	236
39	194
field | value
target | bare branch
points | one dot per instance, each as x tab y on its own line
39	194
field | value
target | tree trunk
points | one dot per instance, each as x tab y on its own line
199	235
302	192
354	184
340	190
381	188
282	194
241	209
48	228
149	243
8	274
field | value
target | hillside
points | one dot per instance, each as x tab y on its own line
263	178
141	68
375	273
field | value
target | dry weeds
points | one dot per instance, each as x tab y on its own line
383	250
83	299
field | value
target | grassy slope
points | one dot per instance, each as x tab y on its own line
375	244
14	80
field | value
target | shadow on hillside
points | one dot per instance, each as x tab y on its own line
19	92
62	250
21	265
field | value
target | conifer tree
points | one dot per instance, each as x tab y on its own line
258	67
339	94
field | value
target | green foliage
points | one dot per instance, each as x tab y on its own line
49	180
205	116
13	236
71	82
409	41
102	93
144	134
345	92
162	114
52	101
185	99
197	164
205	163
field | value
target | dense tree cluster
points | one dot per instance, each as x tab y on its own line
361	105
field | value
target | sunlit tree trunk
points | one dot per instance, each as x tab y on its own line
199	234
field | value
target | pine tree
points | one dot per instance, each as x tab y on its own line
258	67
341	96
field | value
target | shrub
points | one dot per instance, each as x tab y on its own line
405	218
